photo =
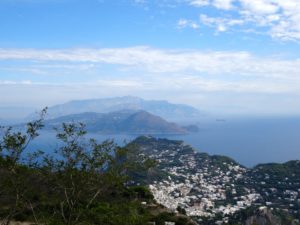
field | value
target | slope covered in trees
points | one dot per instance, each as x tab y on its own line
82	182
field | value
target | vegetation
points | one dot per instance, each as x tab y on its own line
82	182
85	182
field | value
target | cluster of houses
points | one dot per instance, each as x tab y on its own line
196	184
206	186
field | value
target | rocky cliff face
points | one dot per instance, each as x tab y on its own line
263	216
266	216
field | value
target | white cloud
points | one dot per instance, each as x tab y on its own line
223	4
261	7
184	23
156	73
199	3
281	18
209	80
12	82
220	24
203	78
166	61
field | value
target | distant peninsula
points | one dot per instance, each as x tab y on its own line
121	122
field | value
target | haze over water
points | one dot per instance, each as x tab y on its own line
249	141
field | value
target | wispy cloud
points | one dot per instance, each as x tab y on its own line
219	23
152	72
281	18
184	23
166	61
12	82
199	3
221	4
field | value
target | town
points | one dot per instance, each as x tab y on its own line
205	186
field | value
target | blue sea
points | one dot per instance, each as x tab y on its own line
249	141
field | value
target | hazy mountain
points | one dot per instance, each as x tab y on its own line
163	109
125	121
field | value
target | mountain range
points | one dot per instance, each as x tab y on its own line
164	109
121	122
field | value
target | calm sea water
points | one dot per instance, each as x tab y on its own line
248	141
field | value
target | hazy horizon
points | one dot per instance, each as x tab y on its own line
23	111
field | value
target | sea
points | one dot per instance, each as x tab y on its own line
249	141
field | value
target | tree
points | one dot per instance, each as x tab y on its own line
84	171
14	181
65	186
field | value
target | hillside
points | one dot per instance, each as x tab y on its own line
216	189
148	180
121	122
163	109
81	182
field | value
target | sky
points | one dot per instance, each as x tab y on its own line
239	57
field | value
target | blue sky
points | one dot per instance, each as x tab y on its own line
225	56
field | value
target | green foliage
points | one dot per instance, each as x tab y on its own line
171	217
140	192
84	172
15	184
83	182
118	213
181	210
